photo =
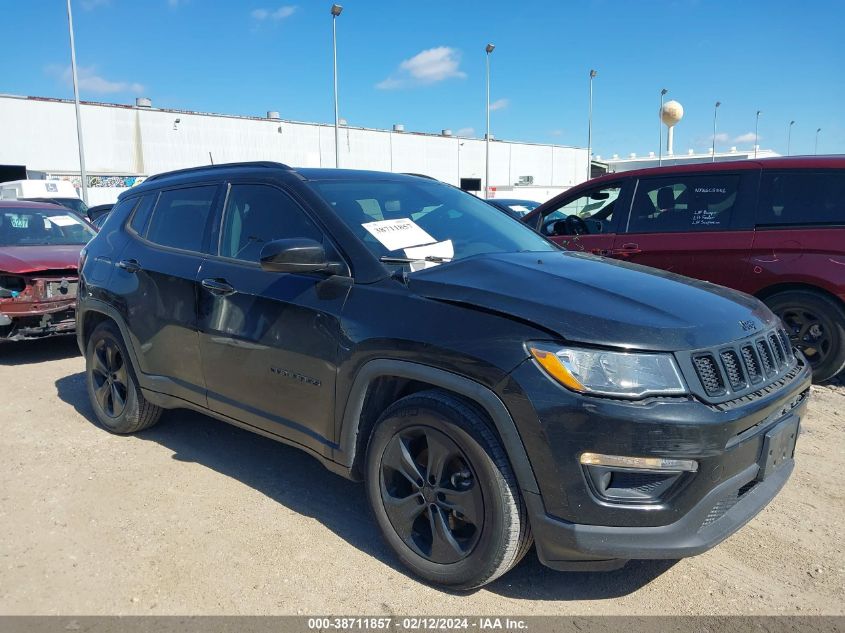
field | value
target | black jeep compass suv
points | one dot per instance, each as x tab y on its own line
490	389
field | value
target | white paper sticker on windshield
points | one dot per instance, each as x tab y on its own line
444	250
396	234
63	220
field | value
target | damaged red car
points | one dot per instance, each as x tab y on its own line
39	255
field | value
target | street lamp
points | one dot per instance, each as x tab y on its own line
336	11
756	127
817	140
789	136
593	74
660	128
715	110
489	48
83	174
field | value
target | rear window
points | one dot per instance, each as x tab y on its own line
684	204
801	198
180	217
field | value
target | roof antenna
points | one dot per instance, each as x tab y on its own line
211	158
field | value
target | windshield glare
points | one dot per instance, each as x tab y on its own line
40	227
419	220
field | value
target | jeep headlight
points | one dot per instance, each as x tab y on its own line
619	374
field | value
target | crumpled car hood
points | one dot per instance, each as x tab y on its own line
597	301
28	259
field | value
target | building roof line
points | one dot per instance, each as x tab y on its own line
103	104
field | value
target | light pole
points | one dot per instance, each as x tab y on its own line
715	110
817	140
83	174
660	128
789	137
336	11
489	48
756	127
593	74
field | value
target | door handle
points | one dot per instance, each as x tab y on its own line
217	287
129	265
627	249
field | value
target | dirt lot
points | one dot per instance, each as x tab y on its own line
196	517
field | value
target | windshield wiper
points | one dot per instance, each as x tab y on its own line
387	259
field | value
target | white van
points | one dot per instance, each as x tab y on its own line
59	191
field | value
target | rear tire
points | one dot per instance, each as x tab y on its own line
816	325
443	492
113	389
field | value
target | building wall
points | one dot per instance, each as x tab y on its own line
132	141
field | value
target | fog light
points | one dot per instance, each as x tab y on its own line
639	463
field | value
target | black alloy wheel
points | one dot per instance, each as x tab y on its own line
109	376
807	333
431	494
116	397
443	492
815	324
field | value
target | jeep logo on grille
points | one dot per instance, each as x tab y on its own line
748	326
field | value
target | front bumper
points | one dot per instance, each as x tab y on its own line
575	528
23	326
572	546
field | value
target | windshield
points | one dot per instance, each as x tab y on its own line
39	227
74	204
426	221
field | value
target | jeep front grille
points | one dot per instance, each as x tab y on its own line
736	370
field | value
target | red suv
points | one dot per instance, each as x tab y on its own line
774	228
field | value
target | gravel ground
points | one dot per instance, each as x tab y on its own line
196	517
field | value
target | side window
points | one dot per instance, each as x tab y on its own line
180	217
684	204
594	209
257	214
119	210
801	198
141	216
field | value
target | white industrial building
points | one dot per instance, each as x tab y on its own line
125	143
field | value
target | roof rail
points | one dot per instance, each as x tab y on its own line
258	163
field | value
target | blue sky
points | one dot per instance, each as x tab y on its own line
422	64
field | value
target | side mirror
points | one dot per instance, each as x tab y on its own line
297	255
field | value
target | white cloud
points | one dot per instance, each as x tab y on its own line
176	3
721	137
499	104
275	15
556	133
90	81
88	5
465	131
748	137
425	68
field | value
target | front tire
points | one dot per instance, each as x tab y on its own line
443	492
816	325
113	389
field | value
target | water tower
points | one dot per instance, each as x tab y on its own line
671	113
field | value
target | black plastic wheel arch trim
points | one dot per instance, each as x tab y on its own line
438	378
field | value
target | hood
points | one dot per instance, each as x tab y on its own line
588	299
28	259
